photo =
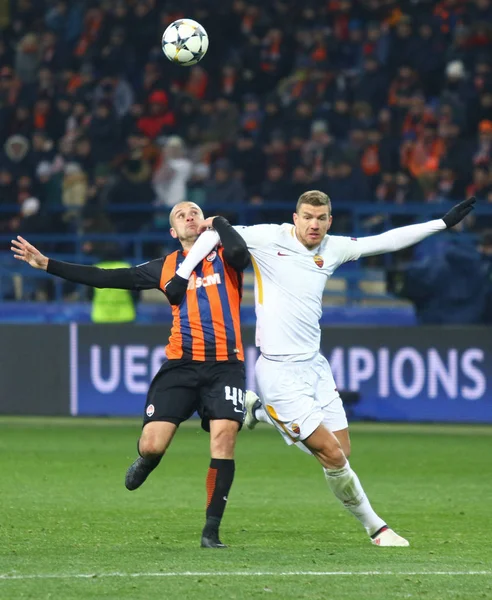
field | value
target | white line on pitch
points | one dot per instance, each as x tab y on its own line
235	574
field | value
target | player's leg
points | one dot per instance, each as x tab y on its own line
287	400
343	438
346	486
171	400
330	443
222	411
151	446
220	477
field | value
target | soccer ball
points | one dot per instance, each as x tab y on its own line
185	42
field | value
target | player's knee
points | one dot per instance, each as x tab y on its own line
151	446
332	457
223	439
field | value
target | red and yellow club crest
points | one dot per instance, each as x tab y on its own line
318	260
296	429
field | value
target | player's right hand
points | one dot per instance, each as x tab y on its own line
25	251
205	224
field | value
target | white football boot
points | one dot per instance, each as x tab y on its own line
251	402
387	537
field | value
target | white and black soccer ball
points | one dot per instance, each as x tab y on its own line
185	42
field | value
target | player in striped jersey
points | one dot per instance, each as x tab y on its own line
204	367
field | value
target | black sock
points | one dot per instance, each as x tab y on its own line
219	481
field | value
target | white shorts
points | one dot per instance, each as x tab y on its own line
299	396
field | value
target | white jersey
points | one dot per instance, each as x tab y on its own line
290	279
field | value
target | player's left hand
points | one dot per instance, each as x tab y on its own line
205	224
459	212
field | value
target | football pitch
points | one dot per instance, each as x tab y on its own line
70	530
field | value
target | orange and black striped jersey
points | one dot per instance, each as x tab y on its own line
206	324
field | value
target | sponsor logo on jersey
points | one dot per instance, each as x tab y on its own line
211	256
296	429
354	239
197	282
282	254
150	410
318	260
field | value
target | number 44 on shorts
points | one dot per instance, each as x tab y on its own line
236	397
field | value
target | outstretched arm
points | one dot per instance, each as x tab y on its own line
399	238
403	237
133	278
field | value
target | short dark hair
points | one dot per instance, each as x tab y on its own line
314	198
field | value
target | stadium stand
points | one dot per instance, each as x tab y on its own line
385	105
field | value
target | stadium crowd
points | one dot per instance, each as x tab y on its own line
381	100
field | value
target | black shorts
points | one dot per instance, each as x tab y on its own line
182	387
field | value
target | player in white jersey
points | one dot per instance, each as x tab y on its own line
297	390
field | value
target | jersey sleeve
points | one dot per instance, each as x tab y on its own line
347	249
256	236
147	276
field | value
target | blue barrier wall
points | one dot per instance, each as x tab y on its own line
426	374
431	374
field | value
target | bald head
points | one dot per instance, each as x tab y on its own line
180	210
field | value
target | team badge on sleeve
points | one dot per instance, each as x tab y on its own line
318	260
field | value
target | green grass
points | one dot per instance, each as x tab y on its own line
64	511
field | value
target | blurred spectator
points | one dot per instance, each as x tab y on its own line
197	83
370	160
371	85
116	91
421	157
27	58
158	119
224	189
344	182
84	156
450	285
481	183
339	119
21	123
172	174
449	186
403	45
43	149
8	192
103	132
248	161
300	182
116	55
15	156
275	187
75	186
222	123
428	58
318	149
133	185
252	116
482	153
